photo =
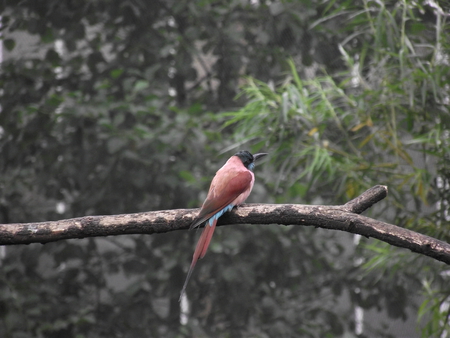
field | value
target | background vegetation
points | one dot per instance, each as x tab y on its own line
116	107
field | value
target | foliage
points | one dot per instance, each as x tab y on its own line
384	120
120	109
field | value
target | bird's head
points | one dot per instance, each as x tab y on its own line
248	159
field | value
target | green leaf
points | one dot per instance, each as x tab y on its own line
9	44
187	176
115	73
141	85
115	144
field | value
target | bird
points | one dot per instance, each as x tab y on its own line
230	187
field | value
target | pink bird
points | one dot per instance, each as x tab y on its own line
229	188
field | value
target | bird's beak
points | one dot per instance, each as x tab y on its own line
258	156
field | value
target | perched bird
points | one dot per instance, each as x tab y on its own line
229	188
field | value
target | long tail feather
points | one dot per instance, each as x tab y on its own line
200	251
208	237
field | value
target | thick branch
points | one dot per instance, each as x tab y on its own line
344	218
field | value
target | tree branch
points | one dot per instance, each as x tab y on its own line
344	218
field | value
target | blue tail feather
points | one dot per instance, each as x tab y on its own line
220	213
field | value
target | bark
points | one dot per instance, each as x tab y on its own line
344	218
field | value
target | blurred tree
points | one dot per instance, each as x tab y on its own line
120	110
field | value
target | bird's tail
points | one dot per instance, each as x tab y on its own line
200	250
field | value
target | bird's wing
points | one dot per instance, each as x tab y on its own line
225	188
